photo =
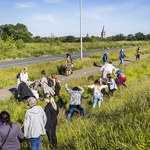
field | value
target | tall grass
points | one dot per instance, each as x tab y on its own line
121	123
41	49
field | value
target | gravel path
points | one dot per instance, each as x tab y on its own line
6	93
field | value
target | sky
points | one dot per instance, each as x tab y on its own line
62	17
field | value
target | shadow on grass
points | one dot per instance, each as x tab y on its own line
61	69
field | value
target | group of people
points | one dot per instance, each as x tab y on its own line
37	121
27	88
121	56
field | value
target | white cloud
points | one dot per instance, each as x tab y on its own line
53	1
24	5
45	18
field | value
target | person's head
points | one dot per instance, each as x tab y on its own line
47	97
109	76
97	82
25	69
43	72
53	76
5	117
68	55
76	88
31	101
110	62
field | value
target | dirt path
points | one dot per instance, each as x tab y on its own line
6	93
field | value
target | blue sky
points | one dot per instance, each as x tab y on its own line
62	17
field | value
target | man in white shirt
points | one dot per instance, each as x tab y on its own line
107	69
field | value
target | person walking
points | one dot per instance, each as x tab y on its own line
34	123
75	100
51	111
121	56
10	133
138	53
105	58
108	68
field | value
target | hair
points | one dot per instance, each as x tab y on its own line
43	72
46	95
5	117
97	82
109	76
69	56
110	62
76	88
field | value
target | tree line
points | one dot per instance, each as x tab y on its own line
19	33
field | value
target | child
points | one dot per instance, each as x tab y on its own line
97	96
121	78
111	84
75	100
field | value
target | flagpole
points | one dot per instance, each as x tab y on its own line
81	29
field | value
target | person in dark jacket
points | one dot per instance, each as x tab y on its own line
24	91
51	111
105	57
121	56
10	133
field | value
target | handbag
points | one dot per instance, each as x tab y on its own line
5	139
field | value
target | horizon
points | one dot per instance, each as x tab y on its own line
62	17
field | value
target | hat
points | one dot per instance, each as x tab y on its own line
31	101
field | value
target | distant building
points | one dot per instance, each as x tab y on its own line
103	33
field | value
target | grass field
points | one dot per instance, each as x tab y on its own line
8	75
121	123
41	49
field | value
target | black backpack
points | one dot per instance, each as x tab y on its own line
50	82
18	75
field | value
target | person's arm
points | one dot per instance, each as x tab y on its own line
26	124
91	86
44	118
20	133
21	76
103	86
102	68
82	90
67	89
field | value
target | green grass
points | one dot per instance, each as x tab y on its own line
42	49
121	123
8	75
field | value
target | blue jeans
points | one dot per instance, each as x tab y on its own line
121	61
35	143
72	108
97	97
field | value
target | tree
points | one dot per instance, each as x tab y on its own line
18	31
131	37
140	36
119	37
70	39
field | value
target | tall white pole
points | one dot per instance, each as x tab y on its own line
81	28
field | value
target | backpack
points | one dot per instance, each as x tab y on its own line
18	75
50	82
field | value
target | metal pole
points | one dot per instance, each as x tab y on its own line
81	28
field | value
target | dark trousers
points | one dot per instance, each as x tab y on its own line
51	133
72	109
